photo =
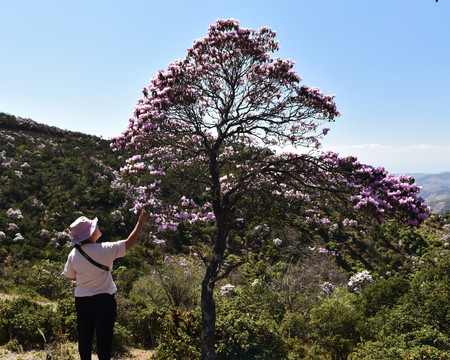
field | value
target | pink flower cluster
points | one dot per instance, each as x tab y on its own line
378	191
321	250
14	214
360	281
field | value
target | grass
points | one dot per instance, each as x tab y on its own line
67	351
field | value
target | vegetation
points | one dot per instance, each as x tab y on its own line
213	120
290	299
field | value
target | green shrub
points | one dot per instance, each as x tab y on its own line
335	323
171	285
399	333
121	339
43	278
247	329
295	326
242	335
376	350
181	338
124	278
14	346
27	322
382	293
48	281
258	298
420	344
67	318
144	319
412	241
430	291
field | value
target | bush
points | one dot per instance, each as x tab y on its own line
382	293
172	285
399	333
144	319
121	339
181	338
46	279
420	344
295	326
412	241
27	322
245	330
335	324
43	278
124	278
67	318
430	291
242	335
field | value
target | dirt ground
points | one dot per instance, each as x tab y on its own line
70	352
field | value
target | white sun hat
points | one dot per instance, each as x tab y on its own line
82	229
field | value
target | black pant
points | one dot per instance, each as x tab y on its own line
97	313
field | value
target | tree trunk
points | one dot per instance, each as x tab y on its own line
208	304
208	317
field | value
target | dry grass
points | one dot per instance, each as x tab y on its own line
53	304
68	352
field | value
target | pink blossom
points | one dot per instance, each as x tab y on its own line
277	242
14	214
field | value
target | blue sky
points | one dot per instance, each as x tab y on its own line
81	65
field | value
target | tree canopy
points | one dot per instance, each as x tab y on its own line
215	119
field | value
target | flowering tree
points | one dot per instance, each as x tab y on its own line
220	111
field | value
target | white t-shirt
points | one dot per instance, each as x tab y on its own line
90	279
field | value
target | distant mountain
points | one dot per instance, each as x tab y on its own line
416	176
436	191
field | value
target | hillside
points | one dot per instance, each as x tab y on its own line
48	177
299	278
28	126
436	191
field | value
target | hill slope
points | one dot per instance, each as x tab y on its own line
48	176
277	302
436	191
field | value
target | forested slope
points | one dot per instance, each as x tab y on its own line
48	178
307	290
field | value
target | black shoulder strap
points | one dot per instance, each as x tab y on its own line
92	261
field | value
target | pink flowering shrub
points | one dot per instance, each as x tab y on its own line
360	281
445	237
14	214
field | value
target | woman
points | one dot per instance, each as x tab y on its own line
89	264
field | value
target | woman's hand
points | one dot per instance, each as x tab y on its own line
143	216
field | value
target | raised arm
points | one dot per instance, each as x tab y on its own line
129	242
